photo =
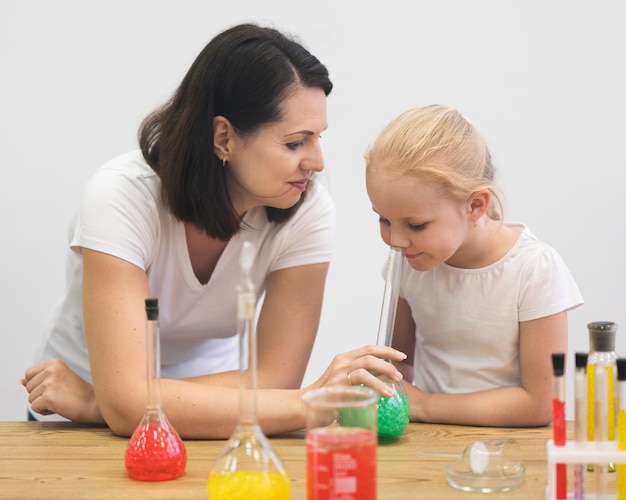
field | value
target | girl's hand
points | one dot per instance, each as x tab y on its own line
361	367
54	388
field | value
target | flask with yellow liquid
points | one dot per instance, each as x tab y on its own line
247	467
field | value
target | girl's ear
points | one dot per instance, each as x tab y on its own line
479	204
222	136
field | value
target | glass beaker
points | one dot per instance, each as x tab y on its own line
247	466
155	451
393	411
341	441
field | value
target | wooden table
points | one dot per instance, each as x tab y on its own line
70	461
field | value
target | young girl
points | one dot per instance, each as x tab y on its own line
483	303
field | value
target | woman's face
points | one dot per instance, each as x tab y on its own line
416	216
272	167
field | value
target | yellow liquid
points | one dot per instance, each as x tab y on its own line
591	403
611	407
248	485
621	445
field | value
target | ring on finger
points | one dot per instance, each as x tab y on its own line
349	381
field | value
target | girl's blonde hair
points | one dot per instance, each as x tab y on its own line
439	144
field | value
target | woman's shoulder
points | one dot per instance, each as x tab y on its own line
127	172
130	164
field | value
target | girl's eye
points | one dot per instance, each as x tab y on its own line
383	221
417	227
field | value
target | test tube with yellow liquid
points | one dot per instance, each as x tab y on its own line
601	380
621	426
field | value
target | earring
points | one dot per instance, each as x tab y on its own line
224	162
474	222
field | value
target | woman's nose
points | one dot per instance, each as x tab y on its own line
314	161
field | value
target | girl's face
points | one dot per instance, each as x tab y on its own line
417	217
272	168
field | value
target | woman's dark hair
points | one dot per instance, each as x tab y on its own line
243	74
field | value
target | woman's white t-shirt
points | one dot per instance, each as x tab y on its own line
121	214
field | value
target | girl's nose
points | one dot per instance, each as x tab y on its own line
398	239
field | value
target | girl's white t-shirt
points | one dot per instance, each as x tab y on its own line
467	320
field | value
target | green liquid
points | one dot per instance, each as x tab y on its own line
393	414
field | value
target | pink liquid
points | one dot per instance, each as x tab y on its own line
341	464
155	453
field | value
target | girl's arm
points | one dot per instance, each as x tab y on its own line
525	406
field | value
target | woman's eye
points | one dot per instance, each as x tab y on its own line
295	145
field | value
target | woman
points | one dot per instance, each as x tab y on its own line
231	157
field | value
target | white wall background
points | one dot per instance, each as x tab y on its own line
544	81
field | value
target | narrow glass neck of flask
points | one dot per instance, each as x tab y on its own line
153	356
247	351
390	297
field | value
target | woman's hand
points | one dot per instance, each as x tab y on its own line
54	388
361	366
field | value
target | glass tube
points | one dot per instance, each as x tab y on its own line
621	426
393	412
580	419
601	381
558	419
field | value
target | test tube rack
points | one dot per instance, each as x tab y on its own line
573	452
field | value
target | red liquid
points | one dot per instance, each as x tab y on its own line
155	453
558	436
341	464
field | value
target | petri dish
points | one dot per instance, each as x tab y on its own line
487	466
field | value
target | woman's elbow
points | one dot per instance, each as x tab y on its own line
122	416
538	416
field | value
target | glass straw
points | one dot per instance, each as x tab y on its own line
393	412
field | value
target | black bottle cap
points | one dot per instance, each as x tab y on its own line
581	359
621	368
152	309
602	336
558	363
